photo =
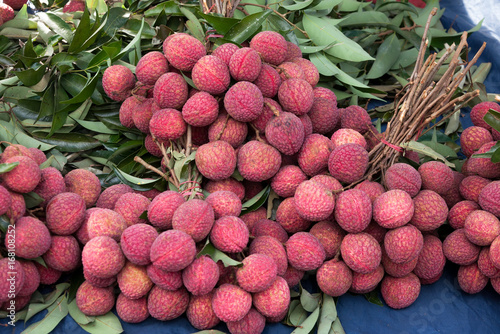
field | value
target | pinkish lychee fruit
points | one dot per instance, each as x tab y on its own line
48	275
293	276
225	52
495	252
201	109
293	51
228	129
436	176
285	132
216	160
314	201
134	281
94	301
296	96
288	70
229	234
270	109
364	283
308	127
162	208
84	183
167	124
201	276
150	67
397	269
452	196
229	184
405	177
431	259
361	252
480	110
286	181
14	150
253	322
403	244
24	177
271	228
257	273
167	305
314	154
258	161
485	264
376	231
304	251
471	187
167	280
195	217
356	118
74	6
245	64
472	138
170	91
481	227
310	71
458	249
142	113
372	189
348	163
324	114
484	166
271	46
110	195
106	222
430	212
274	300
6	12
273	248
65	213
200	312
288	217
210	74
393	208
26	245
489	198
224	203
18	206
51	184
6	200
400	292
343	278
97	281
183	51
64	253
118	82
244	101
31	279
353	210
37	155
329	182
470	279
268	81
347	136
12	278
136	242
330	235
231	303
132	311
131	206
460	211
173	250
102	257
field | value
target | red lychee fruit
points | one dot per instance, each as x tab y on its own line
348	163
117	82
183	51
314	201
271	46
170	91
216	160
244	101
210	74
245	64
150	67
296	96
258	161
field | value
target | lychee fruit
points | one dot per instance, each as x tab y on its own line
471	187
274	300
201	109
132	311
271	228
296	96
118	82
478	112
253	322
245	64
364	283
24	177
393	208
288	217
84	183
431	259
64	253
228	129
216	160
268	81
51	184
304	251
343	278
324	113
131	206
348	163
361	252
271	46
65	213
201	276
102	257
271	247
134	281
356	118
472	138
258	161
162	208
26	245
471	279
430	212
257	273
167	305
353	210
229	234
481	227
244	101
231	303
94	301
458	249
225	52
210	74
150	67
314	201
173	250
183	51
403	244
348	136
400	292
405	177
314	154
489	198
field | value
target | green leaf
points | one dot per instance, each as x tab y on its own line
426	150
373	298
116	18
219	23
98	127
247	27
328	314
257	201
13	134
98	5
309	301
135	182
86	34
322	32
41	262
86	92
297	315
326	5
337	328
364	19
70	142
31	77
4	168
168	7
492	117
78	315
104	324
395	6
133	43
298	5
193	24
387	54
49	299
217	255
57	24
326	67
32	200
442	149
307	325
314	49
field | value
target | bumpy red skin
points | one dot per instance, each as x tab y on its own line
293	276
346	136
167	280
460	211
6	12
133	281
131	206
142	113
405	177
314	154
348	163
231	303
489	198
308	127
376	231
329	182
195	217
126	111
310	71
97	281
28	247
285	132
183	51
162	208
257	273
330	235
484	166
270	109
106	222
458	249
201	276
495	252
453	196
286	181
224	203
485	264
430	212
403	244
244	101
132	311
480	110
470	279
296	96
343	278
210	74
353	210
473	138
268	81
397	269
314	201
288	70
74	6
136	243
173	250
324	114
65	213
431	259
18	206
273	248
293	51
436	176
200	312
216	160
118	82
14	150
288	217
228	129
361	252
356	118
372	189
481	227
94	301
48	275
229	184
229	234
245	64
271	228
167	305
225	52
24	177
258	161
272	301
150	67
8	270
110	195
401	292
64	253
271	46
84	183
364	283
471	187
167	124
201	109
253	322
37	155
31	279
102	257
170	91
304	251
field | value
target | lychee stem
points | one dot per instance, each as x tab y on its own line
154	169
